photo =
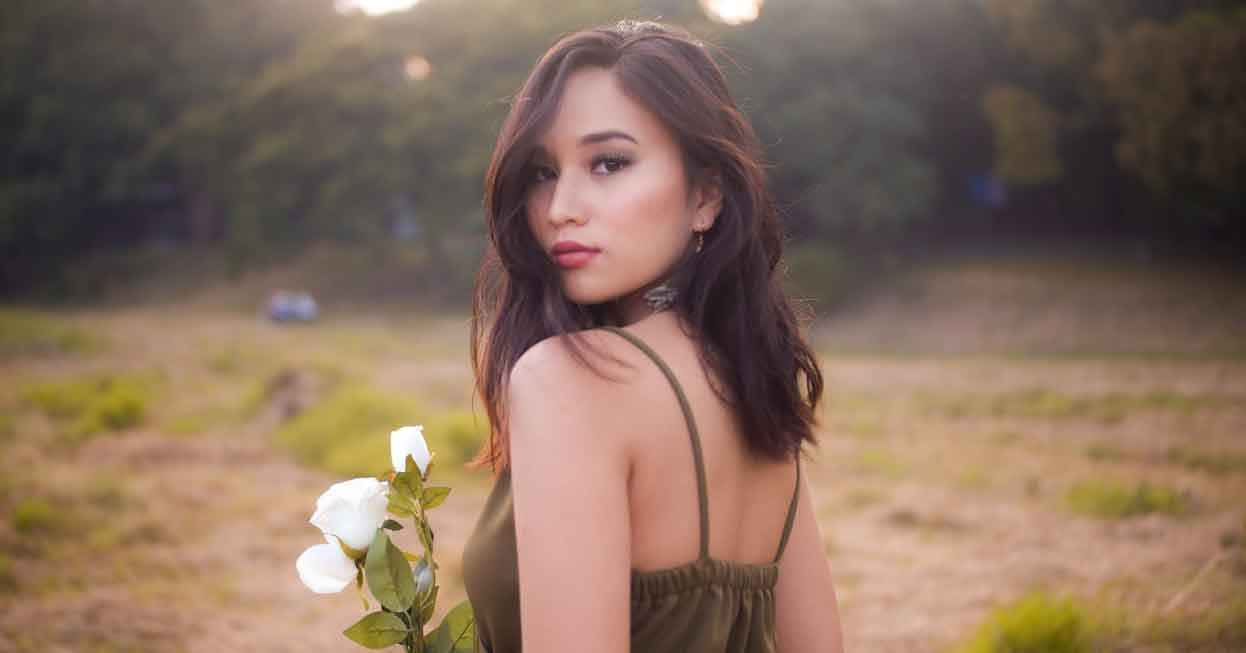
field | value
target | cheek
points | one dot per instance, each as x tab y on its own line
654	204
534	205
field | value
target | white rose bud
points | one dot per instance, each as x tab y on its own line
423	577
352	510
325	568
408	440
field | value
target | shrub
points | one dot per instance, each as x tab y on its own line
95	404
348	433
882	462
455	436
35	515
1035	624
1220	628
24	333
1106	499
1221	462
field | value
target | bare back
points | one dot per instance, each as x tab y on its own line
748	496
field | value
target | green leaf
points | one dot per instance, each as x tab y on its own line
359	586
391	525
409	483
400	505
457	632
353	554
425	533
430	604
432	496
389	575
377	630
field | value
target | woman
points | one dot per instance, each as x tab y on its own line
642	370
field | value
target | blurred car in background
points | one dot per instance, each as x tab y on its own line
292	306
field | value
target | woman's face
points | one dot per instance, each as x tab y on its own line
609	175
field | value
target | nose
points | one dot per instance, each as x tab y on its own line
565	202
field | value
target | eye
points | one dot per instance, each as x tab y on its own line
611	163
540	173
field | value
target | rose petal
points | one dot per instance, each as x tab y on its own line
352	510
325	569
408	440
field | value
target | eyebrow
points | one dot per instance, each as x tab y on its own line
597	137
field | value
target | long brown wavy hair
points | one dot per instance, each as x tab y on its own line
730	295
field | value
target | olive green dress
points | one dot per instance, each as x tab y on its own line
705	605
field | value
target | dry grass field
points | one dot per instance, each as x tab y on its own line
1073	434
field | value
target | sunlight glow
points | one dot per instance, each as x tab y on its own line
417	67
373	7
732	12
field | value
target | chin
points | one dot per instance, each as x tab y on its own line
590	296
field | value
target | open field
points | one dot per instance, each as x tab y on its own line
160	463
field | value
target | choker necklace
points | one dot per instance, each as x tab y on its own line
660	297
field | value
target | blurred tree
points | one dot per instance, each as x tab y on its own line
840	105
1085	79
1026	136
1179	90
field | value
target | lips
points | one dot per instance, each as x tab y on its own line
570	254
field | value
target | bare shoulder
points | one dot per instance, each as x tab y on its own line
551	364
553	394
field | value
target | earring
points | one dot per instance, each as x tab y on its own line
700	241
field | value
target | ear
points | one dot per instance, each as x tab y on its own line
708	201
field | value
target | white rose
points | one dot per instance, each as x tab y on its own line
408	440
325	568
352	510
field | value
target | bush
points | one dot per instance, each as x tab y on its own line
1035	624
348	433
100	403
455	436
1219	462
35	515
1106	499
24	333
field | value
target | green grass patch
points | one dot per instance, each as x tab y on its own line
1220	462
1101	452
455	436
8	579
36	515
1037	623
974	478
318	377
1110	500
93	404
198	421
1045	403
1220	628
27	333
858	498
1005	438
348	432
882	462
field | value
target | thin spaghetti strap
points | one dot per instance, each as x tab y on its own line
791	514
702	494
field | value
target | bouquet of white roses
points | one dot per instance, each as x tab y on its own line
352	517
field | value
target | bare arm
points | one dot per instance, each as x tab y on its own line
569	484
807	611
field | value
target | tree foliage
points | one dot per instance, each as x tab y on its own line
266	125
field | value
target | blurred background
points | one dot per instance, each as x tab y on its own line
238	240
